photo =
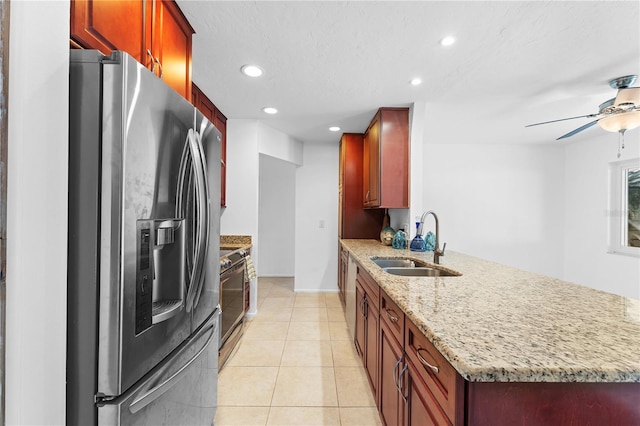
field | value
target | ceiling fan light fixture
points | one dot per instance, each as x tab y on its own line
628	97
620	122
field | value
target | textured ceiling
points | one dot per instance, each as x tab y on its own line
334	63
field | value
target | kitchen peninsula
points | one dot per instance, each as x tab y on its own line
525	348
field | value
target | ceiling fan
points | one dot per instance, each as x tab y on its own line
618	114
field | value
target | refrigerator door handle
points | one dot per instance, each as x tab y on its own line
191	167
205	203
151	395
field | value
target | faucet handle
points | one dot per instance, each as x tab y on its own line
444	246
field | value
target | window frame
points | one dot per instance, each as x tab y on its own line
619	207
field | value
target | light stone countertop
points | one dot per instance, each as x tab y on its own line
496	323
234	242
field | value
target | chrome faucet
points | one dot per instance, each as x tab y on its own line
436	252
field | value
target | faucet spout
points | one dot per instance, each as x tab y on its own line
436	252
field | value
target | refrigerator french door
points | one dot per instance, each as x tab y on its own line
143	273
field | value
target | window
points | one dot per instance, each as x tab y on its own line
624	217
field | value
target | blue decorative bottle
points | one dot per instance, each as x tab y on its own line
418	244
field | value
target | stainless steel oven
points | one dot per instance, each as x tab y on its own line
232	294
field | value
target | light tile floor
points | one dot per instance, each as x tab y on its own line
295	365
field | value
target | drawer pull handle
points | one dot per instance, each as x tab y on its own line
393	318
424	361
395	373
401	384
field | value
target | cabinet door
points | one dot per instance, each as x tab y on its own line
371	341
171	46
353	220
204	105
390	401
443	381
421	408
220	121
112	25
371	164
393	179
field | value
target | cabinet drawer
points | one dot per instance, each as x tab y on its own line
370	287
392	316
443	381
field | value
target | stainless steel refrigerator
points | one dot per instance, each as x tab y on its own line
143	269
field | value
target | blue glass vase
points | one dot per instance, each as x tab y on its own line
418	244
399	240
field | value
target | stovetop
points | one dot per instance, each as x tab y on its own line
229	258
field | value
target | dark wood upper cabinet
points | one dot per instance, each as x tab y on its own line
353	220
171	46
386	160
205	106
154	32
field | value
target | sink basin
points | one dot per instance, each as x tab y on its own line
411	267
421	271
392	262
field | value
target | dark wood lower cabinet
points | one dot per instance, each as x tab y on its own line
498	403
390	399
414	385
367	326
421	408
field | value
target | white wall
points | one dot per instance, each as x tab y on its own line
37	213
586	216
276	217
498	202
246	141
316	266
276	144
240	217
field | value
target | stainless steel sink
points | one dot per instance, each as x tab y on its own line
421	271
392	262
411	267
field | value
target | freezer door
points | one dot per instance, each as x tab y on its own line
143	238
182	390
209	295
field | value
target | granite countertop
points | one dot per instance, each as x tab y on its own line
235	242
496	323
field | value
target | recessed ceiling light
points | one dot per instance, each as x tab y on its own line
252	70
270	110
416	81
334	128
448	41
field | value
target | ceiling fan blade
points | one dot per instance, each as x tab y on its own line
563	119
578	130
